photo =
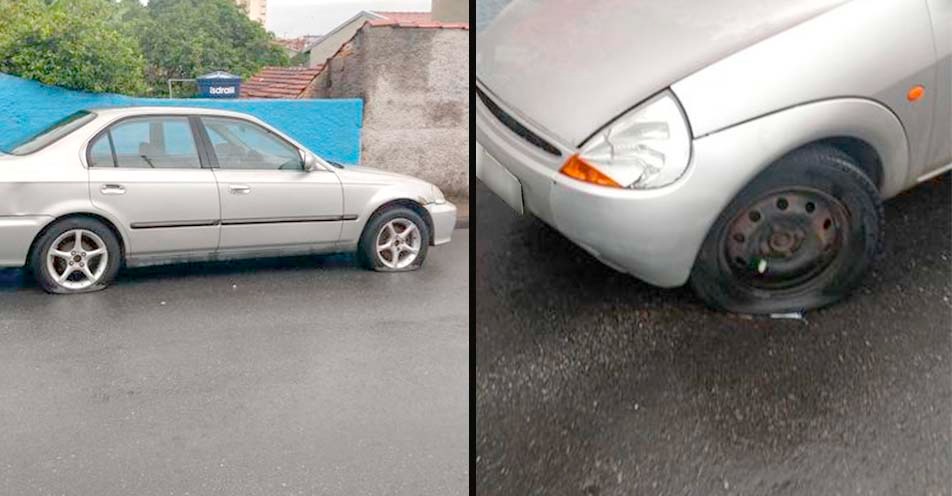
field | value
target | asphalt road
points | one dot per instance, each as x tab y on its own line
284	376
589	382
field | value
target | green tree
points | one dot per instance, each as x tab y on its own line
187	38
70	43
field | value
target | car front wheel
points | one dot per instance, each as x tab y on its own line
394	240
800	236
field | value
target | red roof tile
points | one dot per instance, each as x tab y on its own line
279	82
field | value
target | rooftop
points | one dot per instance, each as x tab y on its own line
279	82
300	43
413	20
408	17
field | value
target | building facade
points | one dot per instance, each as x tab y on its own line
330	43
257	9
333	40
414	81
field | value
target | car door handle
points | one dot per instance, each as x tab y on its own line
239	189
112	189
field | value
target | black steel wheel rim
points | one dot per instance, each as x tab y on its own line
786	239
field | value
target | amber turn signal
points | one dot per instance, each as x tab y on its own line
916	93
576	167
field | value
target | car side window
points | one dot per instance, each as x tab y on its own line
160	142
240	144
100	152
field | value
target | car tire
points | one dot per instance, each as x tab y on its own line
393	226
55	253
800	236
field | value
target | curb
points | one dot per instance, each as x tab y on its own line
462	211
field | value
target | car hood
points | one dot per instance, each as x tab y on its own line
371	175
570	67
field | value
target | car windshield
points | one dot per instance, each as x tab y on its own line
52	133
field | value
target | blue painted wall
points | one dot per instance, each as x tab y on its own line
331	128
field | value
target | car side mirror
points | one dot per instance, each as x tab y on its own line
311	163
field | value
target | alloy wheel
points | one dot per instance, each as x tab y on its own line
77	259
398	243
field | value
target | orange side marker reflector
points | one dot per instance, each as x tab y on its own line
916	93
578	168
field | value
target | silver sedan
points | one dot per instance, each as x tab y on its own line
108	188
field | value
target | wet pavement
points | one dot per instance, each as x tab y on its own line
285	376
589	382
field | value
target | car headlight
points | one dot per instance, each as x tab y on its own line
648	147
438	197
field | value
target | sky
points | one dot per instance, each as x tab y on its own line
292	18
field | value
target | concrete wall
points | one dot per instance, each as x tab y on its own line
415	87
334	40
331	128
450	10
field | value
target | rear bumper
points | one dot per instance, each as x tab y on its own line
444	221
16	236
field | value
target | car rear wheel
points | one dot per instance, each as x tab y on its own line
394	240
800	236
76	255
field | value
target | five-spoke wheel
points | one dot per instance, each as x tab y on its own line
77	259
398	243
75	255
395	239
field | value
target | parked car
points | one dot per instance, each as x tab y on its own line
744	146
107	188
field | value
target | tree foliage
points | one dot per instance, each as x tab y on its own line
71	43
186	38
126	47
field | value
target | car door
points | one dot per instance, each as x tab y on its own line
147	173
268	199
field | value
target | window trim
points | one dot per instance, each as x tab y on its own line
87	113
199	148
213	157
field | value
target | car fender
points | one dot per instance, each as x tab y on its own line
876	50
362	200
762	141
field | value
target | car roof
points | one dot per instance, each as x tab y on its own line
161	109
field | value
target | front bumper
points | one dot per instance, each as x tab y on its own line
16	236
444	221
654	235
